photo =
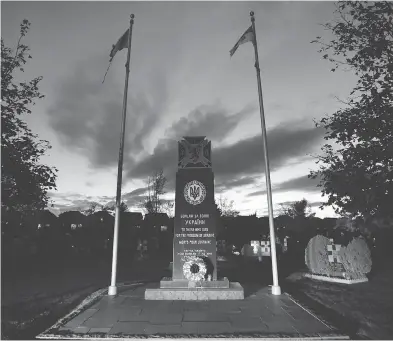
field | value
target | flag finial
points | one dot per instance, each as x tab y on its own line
252	13
132	16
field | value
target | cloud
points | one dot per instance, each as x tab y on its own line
316	203
74	201
285	142
86	115
209	120
233	183
238	164
137	191
301	183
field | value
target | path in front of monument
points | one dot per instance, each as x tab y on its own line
35	302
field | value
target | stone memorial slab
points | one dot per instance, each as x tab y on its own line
194	241
195	230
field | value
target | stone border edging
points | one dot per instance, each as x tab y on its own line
335	279
312	313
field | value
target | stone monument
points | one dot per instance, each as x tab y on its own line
194	267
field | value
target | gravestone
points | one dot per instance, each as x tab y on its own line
195	229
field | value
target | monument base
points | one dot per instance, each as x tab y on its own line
234	292
168	282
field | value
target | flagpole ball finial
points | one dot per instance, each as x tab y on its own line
252	13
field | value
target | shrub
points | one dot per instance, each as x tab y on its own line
316	256
356	258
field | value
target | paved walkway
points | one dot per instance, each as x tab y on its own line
129	315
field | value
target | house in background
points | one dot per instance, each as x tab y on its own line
130	228
100	227
45	219
72	220
132	220
241	230
157	231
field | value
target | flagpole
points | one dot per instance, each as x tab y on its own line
112	290
276	290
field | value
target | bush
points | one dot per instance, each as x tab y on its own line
356	258
316	256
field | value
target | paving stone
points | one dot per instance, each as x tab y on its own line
165	318
130	328
298	314
139	291
79	319
266	316
166	329
99	330
143	316
176	307
245	323
214	328
103	322
81	330
128	292
224	306
189	327
314	326
289	303
196	306
207	316
125	313
155	305
134	302
107	301
281	326
274	309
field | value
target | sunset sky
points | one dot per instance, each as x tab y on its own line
182	83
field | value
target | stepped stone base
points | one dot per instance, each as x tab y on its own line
234	292
168	282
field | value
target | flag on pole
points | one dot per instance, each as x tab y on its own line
247	36
122	43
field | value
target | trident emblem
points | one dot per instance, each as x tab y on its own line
194	191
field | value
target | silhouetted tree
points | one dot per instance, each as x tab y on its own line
24	181
155	189
358	176
299	208
108	207
226	208
96	207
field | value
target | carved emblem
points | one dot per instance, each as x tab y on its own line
194	152
194	192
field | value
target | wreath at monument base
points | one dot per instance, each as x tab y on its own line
194	269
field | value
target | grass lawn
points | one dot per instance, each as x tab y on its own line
363	310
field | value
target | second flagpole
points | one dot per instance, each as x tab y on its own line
276	290
112	290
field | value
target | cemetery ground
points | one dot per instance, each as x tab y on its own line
34	298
